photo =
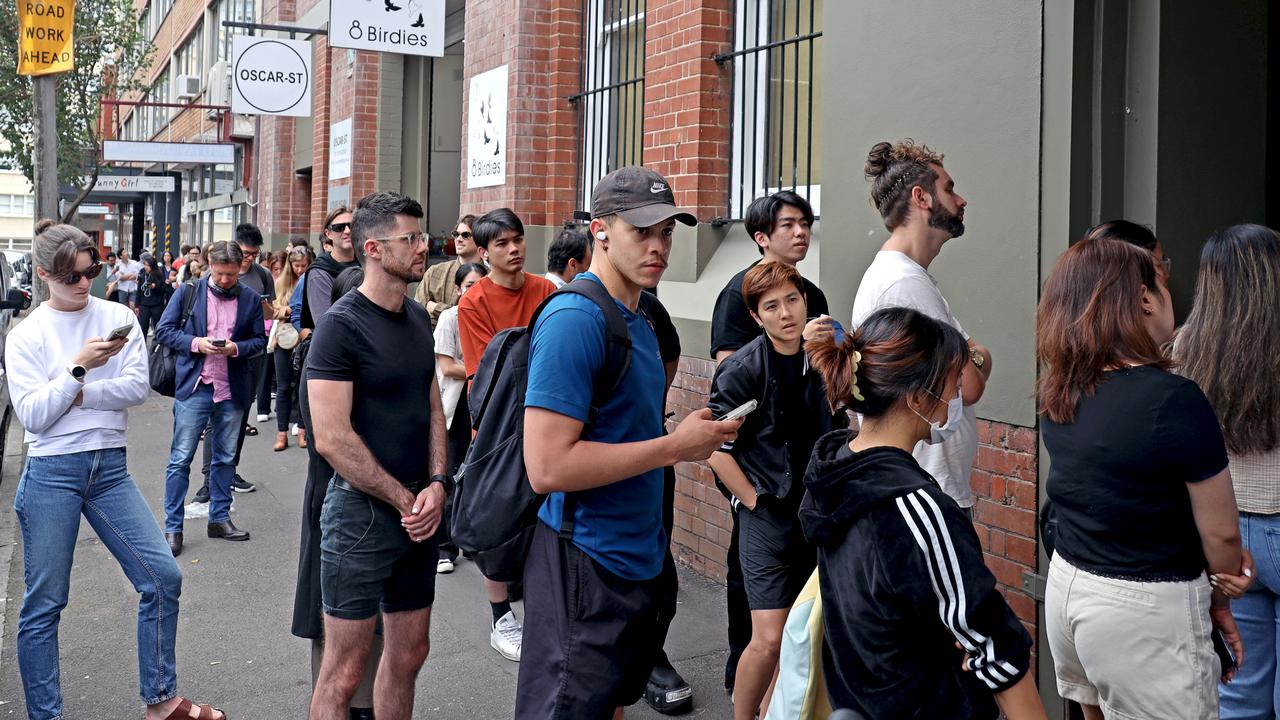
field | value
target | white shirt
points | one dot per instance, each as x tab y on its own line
128	267
449	343
36	355
895	280
558	281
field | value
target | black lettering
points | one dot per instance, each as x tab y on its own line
354	31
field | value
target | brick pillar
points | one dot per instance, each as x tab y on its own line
687	100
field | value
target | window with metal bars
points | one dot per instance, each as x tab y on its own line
611	101
777	81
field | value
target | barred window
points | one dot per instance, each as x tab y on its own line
235	11
611	101
777	83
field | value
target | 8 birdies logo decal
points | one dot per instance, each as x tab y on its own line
410	27
272	77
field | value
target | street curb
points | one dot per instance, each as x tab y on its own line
15	456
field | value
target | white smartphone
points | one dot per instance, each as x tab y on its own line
122	331
741	411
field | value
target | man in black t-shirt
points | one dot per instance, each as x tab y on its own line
781	225
371	404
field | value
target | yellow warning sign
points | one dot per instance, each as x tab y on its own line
44	36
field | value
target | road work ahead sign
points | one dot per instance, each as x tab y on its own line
44	36
408	27
270	77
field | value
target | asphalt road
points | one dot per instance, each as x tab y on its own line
234	644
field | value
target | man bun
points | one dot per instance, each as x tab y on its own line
878	160
44	224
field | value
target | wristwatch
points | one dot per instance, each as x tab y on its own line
978	358
446	482
77	372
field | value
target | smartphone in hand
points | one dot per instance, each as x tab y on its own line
120	332
218	343
740	411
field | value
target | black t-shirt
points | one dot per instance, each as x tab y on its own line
390	360
1118	476
731	323
259	279
798	419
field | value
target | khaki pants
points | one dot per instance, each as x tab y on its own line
1136	649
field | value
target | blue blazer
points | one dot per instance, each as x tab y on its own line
249	335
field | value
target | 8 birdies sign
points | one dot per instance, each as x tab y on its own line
271	77
408	27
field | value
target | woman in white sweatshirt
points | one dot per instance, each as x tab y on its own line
72	385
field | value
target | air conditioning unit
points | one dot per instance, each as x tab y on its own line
187	87
219	85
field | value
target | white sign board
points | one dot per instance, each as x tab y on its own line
133	183
271	77
408	27
487	129
168	152
340	150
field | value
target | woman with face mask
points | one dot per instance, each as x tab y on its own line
914	624
763	467
1142	495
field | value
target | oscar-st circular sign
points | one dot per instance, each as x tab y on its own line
271	77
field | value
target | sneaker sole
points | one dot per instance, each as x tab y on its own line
494	645
443	571
244	490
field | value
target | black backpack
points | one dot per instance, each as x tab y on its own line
164	359
494	506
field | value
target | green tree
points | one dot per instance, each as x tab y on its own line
110	55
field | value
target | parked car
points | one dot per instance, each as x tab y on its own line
12	301
20	261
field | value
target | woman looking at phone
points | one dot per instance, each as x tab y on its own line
71	390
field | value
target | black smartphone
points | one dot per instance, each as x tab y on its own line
1223	650
219	343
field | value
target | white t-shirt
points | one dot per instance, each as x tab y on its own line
128	267
895	280
449	343
36	356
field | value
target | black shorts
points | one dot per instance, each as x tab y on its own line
367	560
589	636
776	559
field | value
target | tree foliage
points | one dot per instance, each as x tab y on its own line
110	55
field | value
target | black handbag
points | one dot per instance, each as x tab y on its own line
164	359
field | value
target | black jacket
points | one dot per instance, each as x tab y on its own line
763	449
903	580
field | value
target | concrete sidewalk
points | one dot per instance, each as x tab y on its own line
234	645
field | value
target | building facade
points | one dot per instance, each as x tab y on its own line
1052	117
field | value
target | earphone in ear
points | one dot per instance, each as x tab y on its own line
600	235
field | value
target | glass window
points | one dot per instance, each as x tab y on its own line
611	104
6	204
235	11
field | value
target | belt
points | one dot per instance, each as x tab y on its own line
342	484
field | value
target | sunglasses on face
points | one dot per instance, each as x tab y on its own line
463	235
339	227
74	278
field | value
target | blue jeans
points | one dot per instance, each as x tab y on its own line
52	494
190	417
1254	693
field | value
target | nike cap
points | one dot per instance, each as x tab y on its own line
638	195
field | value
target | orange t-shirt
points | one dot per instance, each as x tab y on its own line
488	308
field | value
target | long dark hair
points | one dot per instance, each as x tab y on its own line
1229	344
1088	322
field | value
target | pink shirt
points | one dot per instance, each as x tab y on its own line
220	321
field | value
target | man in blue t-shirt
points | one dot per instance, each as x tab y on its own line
591	602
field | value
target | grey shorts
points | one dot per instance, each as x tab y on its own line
367	561
1135	649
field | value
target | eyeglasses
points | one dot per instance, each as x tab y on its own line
74	278
463	235
414	239
339	227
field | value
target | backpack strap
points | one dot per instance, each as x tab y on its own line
188	304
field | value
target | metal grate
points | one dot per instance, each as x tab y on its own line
611	101
777	127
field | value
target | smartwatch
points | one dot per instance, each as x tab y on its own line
446	481
77	371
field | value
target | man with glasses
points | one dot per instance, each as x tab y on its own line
437	292
377	545
318	282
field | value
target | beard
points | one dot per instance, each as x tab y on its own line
406	272
944	219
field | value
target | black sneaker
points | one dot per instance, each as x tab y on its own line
202	495
667	692
240	485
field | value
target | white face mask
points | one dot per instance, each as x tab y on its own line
955	412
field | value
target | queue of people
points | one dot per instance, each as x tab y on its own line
844	453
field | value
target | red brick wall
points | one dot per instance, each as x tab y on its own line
1004	481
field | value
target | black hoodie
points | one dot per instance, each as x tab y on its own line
903	580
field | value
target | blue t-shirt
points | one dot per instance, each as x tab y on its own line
618	525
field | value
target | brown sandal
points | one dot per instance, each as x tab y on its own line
186	708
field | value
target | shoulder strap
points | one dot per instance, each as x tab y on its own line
188	304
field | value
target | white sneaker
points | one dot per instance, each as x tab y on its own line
293	429
444	566
263	418
506	635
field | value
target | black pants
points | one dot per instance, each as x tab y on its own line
669	580
149	317
459	440
257	366
268	382
739	612
286	393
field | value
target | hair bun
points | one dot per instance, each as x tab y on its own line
45	224
878	160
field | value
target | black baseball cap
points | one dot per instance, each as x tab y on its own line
638	195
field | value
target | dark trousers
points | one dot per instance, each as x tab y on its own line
459	439
739	611
149	317
286	393
268	381
257	366
669	580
